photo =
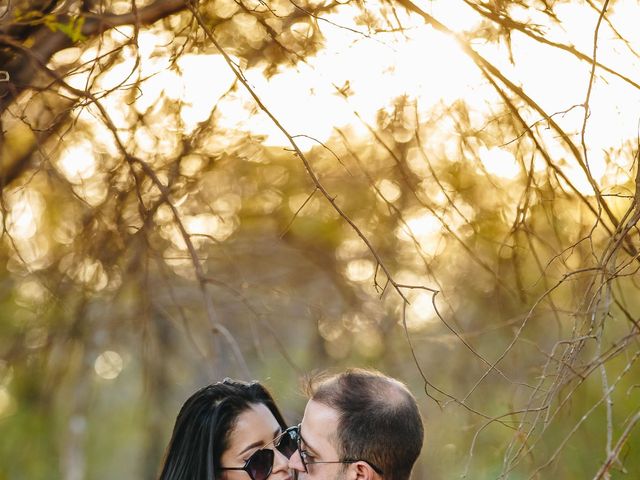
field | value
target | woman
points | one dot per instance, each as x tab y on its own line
229	431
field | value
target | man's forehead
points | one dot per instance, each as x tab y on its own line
319	425
319	412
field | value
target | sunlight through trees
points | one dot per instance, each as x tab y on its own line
443	190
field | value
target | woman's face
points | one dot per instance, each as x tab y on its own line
255	428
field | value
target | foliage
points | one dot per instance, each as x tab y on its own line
446	191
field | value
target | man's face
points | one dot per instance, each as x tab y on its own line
318	432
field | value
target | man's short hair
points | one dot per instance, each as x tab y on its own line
379	419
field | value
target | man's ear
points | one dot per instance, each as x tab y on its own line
363	471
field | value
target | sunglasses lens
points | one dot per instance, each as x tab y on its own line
288	443
260	464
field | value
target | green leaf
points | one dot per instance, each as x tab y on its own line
73	29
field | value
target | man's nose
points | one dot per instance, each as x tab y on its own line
295	462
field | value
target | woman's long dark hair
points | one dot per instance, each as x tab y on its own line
201	433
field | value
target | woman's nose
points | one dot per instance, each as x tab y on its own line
295	462
280	462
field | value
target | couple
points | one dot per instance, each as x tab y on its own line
357	425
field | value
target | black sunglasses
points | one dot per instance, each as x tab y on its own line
260	464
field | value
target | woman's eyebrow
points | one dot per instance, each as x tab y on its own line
259	443
253	445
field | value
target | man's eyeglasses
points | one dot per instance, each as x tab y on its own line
260	464
304	456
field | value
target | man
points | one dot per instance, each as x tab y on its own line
358	425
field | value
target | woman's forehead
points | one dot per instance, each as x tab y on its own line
254	425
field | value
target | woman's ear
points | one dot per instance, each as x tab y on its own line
363	471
